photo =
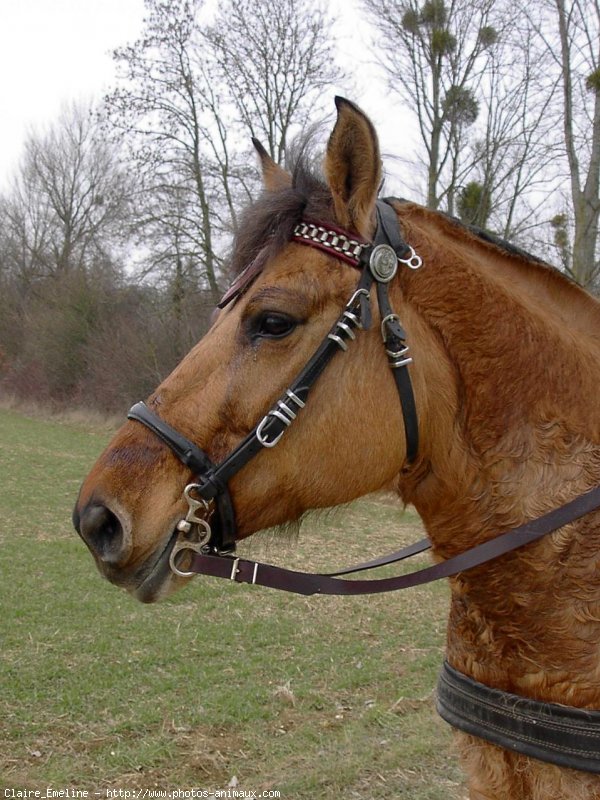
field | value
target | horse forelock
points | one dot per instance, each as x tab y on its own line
266	225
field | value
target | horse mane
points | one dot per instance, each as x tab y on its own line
491	238
520	270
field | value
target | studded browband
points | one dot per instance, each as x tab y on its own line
348	248
336	242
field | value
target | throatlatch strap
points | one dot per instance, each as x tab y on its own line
388	227
562	735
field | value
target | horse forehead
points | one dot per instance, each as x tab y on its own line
309	271
299	271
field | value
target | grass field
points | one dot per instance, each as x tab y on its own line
220	685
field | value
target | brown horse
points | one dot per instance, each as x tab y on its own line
506	368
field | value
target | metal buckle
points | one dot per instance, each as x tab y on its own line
263	439
282	412
355	297
235	569
385	320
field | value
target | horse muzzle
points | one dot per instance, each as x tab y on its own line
107	534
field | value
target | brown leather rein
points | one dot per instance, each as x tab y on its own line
245	571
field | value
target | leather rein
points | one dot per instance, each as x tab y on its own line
551	732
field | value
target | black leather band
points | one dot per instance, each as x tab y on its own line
185	450
388	230
395	341
224	528
562	735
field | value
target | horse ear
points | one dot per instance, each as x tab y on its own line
353	168
274	176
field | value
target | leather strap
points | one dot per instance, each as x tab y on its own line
185	450
409	413
395	342
387	224
562	735
224	527
246	571
392	558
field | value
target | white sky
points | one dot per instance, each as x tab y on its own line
54	51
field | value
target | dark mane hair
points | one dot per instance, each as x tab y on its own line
266	226
486	236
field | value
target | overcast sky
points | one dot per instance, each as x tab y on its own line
54	51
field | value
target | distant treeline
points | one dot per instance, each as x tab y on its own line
86	340
115	229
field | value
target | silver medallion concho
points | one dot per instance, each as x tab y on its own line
383	263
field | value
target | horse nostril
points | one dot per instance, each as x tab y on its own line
102	532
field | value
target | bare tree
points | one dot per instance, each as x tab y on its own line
435	54
62	235
161	104
578	58
187	90
508	156
68	203
276	60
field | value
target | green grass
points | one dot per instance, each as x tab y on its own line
314	697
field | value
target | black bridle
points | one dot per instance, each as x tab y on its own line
555	733
211	516
378	262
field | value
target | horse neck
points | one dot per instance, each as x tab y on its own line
504	378
505	371
506	389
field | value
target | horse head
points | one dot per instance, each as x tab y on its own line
288	404
348	441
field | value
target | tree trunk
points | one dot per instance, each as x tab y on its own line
586	201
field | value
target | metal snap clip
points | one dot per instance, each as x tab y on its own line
413	261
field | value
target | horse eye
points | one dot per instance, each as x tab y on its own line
274	325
